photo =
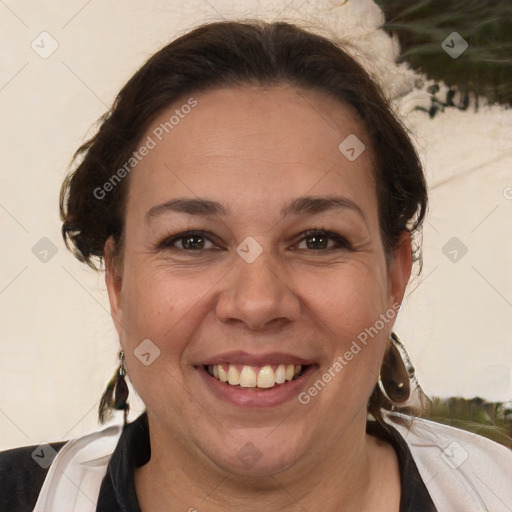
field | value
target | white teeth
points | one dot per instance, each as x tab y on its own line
266	377
250	377
281	374
223	374
247	377
233	376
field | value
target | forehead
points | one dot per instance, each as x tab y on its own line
246	145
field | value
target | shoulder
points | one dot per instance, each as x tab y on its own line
51	476
462	470
76	473
22	472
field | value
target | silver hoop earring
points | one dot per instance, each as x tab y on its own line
397	379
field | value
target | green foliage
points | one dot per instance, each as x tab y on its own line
489	419
484	69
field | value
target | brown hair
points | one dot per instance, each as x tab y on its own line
230	54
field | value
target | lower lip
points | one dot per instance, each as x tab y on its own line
269	397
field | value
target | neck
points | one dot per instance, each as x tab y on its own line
356	471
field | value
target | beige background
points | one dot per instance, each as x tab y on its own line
58	346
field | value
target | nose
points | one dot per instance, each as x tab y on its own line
258	295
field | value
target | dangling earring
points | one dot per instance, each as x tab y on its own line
397	373
116	394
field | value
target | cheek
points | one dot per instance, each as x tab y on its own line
162	305
150	305
352	312
154	310
350	298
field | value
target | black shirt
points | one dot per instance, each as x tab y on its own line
21	478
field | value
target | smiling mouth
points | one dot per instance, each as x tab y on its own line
255	378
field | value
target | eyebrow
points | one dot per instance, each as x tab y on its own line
300	206
199	206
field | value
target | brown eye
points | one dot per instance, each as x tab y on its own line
187	241
318	240
192	242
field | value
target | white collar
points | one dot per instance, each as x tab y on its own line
462	471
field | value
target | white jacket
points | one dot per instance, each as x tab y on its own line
463	472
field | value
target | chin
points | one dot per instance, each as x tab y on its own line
254	455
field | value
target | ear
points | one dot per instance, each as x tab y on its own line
400	268
114	282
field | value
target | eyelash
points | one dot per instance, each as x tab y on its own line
342	243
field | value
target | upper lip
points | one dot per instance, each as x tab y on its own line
245	358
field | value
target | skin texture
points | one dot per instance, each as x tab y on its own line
254	150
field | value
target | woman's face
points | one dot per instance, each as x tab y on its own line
255	169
